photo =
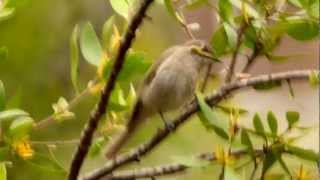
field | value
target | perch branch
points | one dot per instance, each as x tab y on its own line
99	111
212	99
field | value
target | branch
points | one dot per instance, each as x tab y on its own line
251	59
100	109
212	100
232	65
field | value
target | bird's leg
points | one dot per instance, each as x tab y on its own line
168	125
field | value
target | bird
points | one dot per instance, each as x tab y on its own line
169	84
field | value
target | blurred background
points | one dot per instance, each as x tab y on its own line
37	70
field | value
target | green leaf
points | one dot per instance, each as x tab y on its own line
21	127
90	45
3	171
15	100
12	113
295	3
267	85
250	37
45	163
117	100
97	146
231	35
230	110
74	58
2	97
219	42
306	154
6	13
210	119
3	53
190	161
245	139
231	174
302	29
5	153
283	165
226	11
121	7
313	10
275	176
107	32
258	124
273	123
243	5
314	78
292	118
192	4
268	162
170	7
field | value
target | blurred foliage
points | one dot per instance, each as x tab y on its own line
35	43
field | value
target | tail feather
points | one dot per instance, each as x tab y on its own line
137	116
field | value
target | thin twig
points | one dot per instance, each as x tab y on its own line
212	99
251	59
232	65
99	111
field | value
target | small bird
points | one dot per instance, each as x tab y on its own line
170	83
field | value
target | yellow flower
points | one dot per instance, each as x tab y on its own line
23	148
95	88
302	174
115	40
103	64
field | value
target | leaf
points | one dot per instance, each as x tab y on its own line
97	146
121	7
21	127
12	113
90	45
190	161
15	100
273	123
243	5
107	32
2	97
226	11
170	7
6	13
117	100
268	162
231	35
3	53
258	124
245	139
283	165
74	58
230	174
3	171
267	85
302	29
210	119
292	118
5	153
229	110
306	154
314	78
219	42
192	4
45	163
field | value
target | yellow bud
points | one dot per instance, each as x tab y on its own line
95	88
23	148
115	40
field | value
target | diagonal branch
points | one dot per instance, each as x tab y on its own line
212	100
168	168
99	111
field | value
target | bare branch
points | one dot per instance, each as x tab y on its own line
99	111
212	99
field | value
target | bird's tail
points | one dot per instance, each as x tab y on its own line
139	114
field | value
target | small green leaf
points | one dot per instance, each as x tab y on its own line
302	29
314	78
219	42
243	5
292	118
210	119
21	127
3	53
97	146
226	11
245	139
107	32
3	171
121	7
5	153
2	97
267	85
6	13
258	124
12	113
283	165
306	154
90	45
170	7
45	163
268	161
117	100
190	161
231	35
229	110
74	58
273	123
